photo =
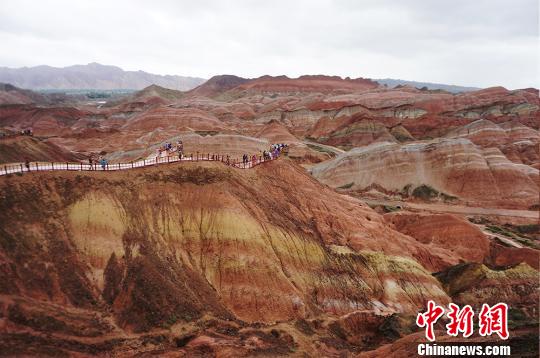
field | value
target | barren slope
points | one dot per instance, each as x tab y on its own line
165	248
153	254
456	167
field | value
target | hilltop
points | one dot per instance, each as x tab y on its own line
20	148
217	85
10	94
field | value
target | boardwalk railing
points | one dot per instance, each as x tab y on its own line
198	157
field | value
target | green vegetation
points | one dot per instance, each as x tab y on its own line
384	208
390	208
406	191
337	330
346	186
517	318
527	235
321	149
171	321
528	242
425	192
499	230
479	220
207	133
97	95
514	231
448	197
303	326
528	229
524	234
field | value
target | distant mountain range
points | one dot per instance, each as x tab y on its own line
91	76
103	77
390	82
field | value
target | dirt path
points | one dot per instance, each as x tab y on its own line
324	146
457	209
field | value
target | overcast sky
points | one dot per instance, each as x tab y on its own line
466	42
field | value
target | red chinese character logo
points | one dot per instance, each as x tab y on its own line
494	320
429	318
460	320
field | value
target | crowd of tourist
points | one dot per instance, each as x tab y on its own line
248	161
274	152
168	148
9	134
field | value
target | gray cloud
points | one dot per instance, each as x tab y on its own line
478	43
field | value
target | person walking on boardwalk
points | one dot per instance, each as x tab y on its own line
103	163
91	162
180	149
27	164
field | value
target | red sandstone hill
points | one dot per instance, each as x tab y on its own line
156	95
42	120
203	258
180	245
320	83
281	84
195	255
20	148
466	241
217	85
456	168
10	94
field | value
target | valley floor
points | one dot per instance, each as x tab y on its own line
457	209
